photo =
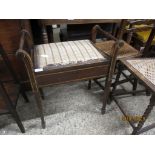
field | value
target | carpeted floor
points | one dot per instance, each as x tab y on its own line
73	109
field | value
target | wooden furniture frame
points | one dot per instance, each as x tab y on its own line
46	22
128	51
136	129
10	90
131	30
14	76
10	107
71	73
9	38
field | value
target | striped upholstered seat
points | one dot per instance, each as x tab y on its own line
65	53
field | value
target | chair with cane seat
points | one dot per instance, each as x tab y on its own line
143	69
127	50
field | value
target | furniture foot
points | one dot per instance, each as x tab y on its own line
11	107
40	108
42	93
148	93
24	96
89	84
103	110
134	86
18	121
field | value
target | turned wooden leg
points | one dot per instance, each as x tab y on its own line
108	82
50	32
120	68
40	108
148	93
89	84
134	86
24	95
44	35
105	100
42	93
106	95
145	115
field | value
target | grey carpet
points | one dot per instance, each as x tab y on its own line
73	109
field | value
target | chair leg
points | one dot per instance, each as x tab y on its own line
148	93
18	121
145	115
40	108
106	96
11	107
42	93
120	68
89	84
134	86
24	96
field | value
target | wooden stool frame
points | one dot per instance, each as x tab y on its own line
61	75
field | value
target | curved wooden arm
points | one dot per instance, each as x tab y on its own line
29	67
97	29
26	41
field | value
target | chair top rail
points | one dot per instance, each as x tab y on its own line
140	21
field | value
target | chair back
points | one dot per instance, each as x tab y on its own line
132	26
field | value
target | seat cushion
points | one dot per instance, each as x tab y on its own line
51	55
125	51
144	35
145	66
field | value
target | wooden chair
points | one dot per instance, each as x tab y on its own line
127	51
10	89
63	62
139	39
144	69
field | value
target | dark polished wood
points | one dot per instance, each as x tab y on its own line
77	21
11	108
46	22
10	30
10	89
149	85
11	73
127	26
62	74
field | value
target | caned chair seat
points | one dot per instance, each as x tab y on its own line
52	55
144	68
125	51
